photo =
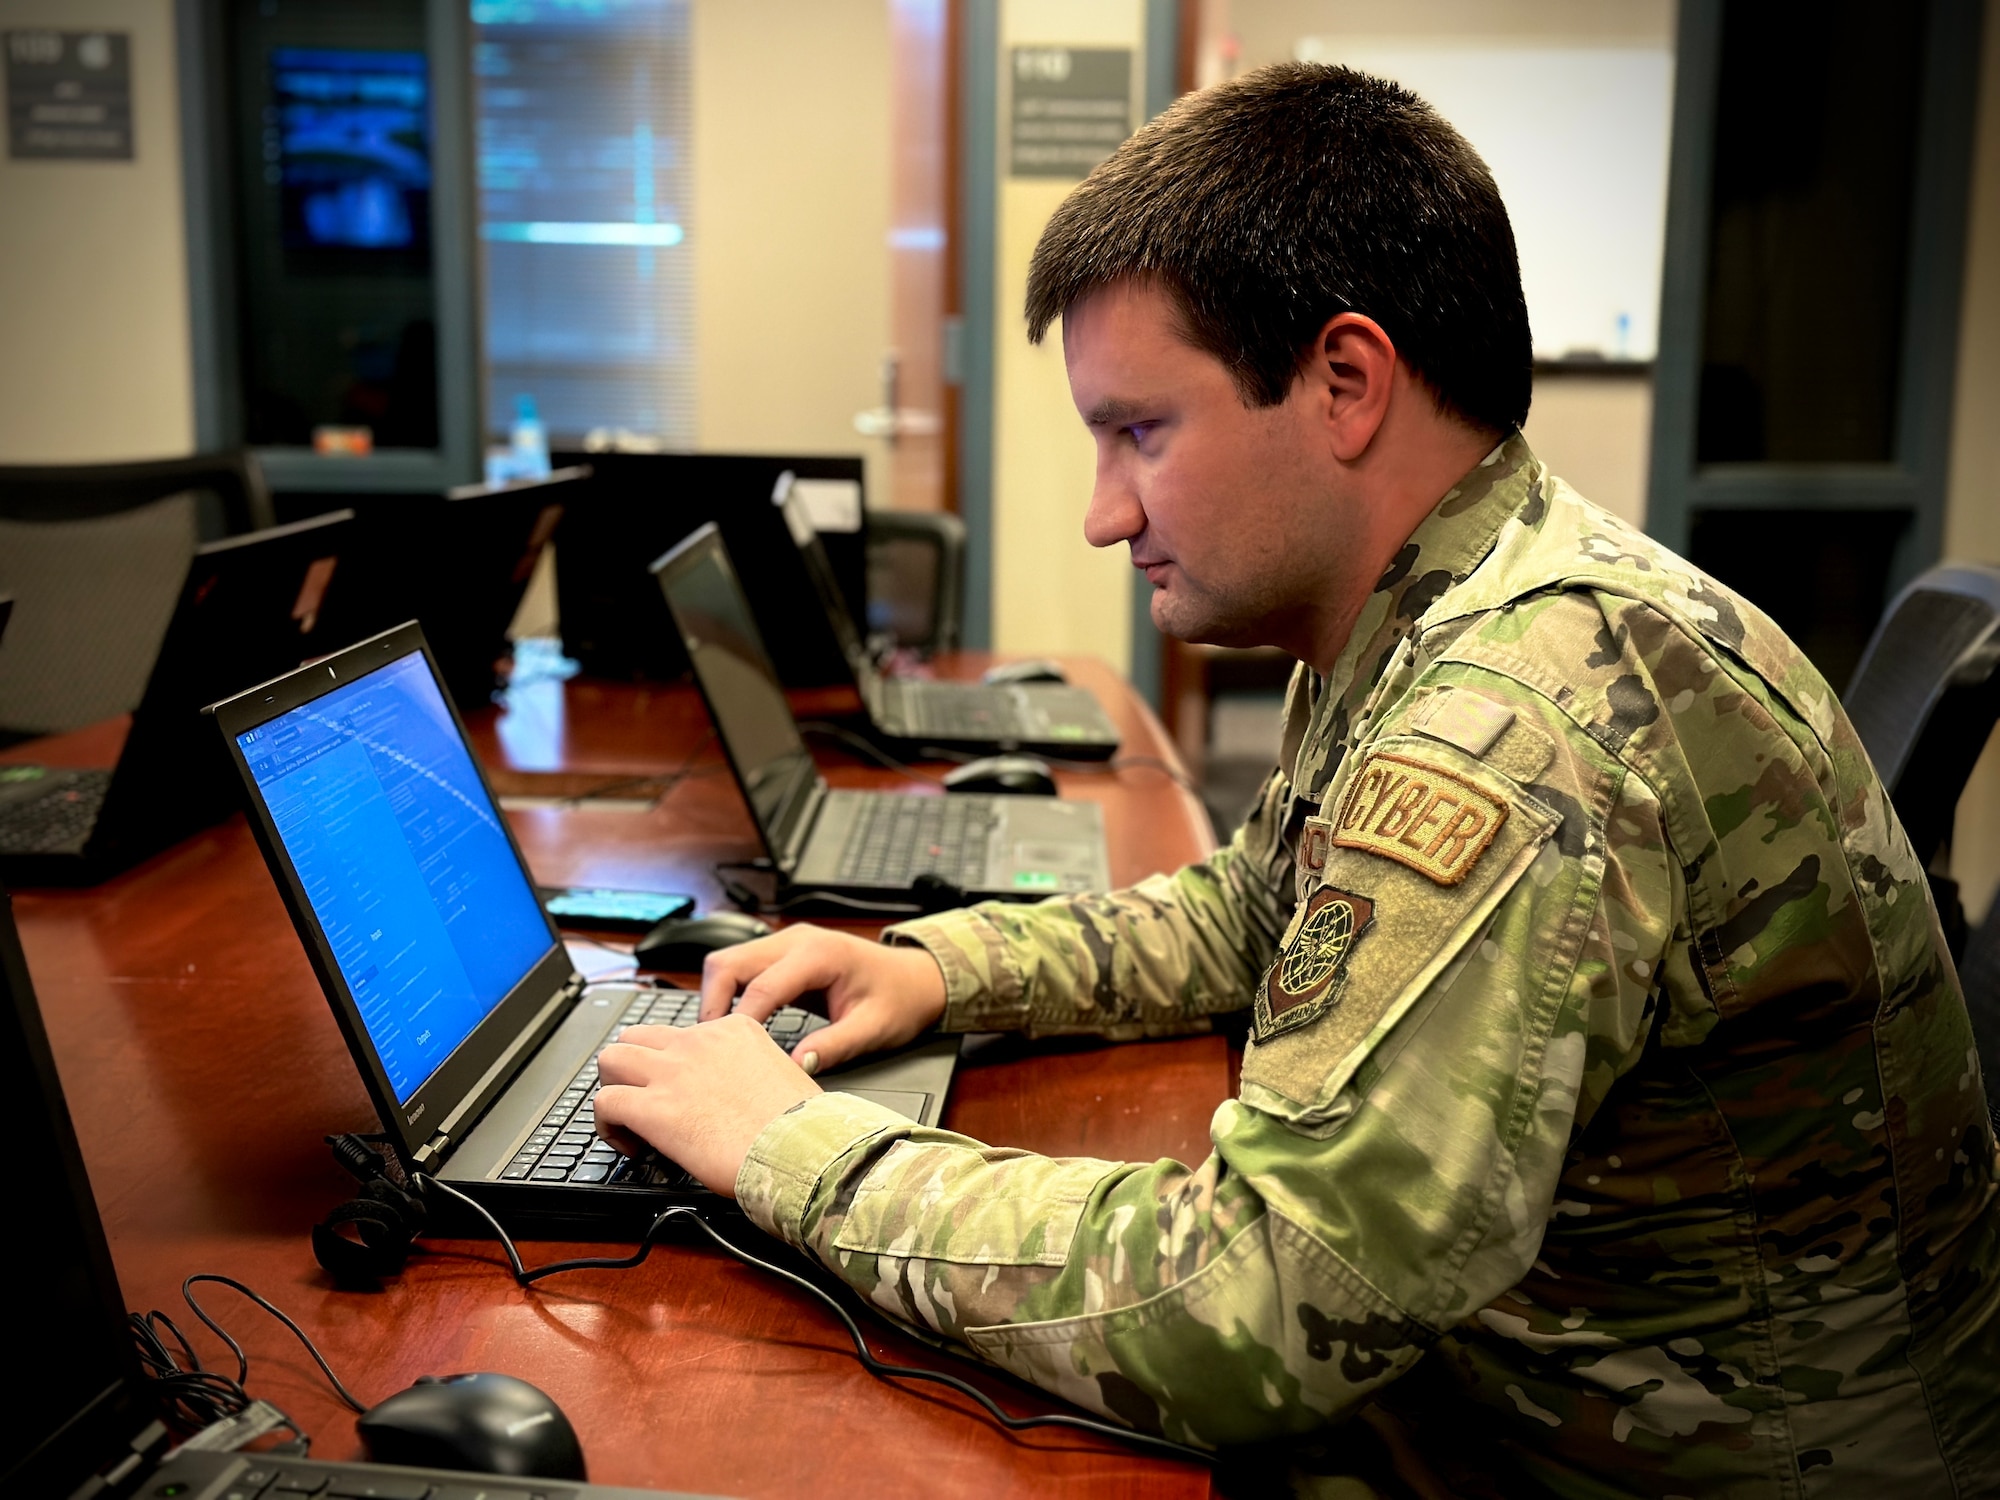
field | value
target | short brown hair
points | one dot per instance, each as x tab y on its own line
1268	205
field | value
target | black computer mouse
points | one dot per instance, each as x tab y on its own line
1024	671
483	1424
1009	775
679	944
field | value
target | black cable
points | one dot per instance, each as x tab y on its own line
748	899
195	1396
1109	767
881	1369
242	1359
870	749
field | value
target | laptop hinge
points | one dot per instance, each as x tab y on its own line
477	1098
801	829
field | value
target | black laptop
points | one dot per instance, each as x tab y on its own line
458	563
81	1419
866	845
251	607
1046	718
637	505
475	1035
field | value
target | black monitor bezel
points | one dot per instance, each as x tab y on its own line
413	1122
107	1424
782	837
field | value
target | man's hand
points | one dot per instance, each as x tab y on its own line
699	1094
876	996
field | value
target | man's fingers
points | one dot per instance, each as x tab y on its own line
615	1104
727	970
841	1042
795	974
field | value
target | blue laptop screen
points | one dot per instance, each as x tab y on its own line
410	874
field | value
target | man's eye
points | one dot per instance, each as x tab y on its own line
1140	431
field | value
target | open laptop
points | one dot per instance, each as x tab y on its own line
475	1035
860	844
458	563
1046	718
637	505
83	1419
251	607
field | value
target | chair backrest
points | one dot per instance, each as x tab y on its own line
232	495
916	578
1925	698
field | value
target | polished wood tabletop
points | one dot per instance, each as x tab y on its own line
203	1066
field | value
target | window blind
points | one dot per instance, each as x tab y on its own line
584	188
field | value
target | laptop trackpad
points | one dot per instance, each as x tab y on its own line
904	1102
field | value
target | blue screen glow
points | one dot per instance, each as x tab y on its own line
351	147
404	860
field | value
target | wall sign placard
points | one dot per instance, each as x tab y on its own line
1072	106
69	95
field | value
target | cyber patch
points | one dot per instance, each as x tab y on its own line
1310	971
1418	814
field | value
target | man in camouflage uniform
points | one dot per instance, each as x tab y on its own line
1609	1087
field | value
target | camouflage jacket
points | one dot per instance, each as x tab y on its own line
1609	1078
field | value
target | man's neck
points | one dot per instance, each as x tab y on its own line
1419	455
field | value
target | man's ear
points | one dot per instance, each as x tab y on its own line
1355	365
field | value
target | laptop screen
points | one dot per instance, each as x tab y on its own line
738	680
403	857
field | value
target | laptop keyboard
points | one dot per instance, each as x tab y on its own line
896	839
565	1147
958	713
266	1478
57	822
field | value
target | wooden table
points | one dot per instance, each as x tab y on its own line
202	1067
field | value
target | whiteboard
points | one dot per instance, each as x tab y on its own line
1577	139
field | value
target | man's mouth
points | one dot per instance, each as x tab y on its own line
1155	569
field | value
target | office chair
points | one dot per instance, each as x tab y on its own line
94	555
1924	701
232	496
916	579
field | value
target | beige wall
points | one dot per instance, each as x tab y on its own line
93	273
1596	431
1052	591
1972	513
790	229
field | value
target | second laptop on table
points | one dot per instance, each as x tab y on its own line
872	846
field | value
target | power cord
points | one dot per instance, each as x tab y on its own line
197	1398
866	747
934	893
881	1369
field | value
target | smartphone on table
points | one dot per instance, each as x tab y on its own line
599	909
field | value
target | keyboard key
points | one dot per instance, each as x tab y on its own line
550	1174
591	1171
516	1171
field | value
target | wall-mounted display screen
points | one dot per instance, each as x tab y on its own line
351	132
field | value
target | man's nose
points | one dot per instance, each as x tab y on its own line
1115	514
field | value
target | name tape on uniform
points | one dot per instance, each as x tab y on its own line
1420	815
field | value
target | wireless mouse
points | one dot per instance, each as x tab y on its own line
679	944
1009	775
1024	671
481	1423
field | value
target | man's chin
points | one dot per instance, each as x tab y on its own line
1198	623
